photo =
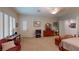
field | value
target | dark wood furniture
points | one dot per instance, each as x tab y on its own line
13	37
38	33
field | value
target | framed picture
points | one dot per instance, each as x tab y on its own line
72	25
16	24
56	25
36	23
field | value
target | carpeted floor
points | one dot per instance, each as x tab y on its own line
38	44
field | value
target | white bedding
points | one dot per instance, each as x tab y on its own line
71	44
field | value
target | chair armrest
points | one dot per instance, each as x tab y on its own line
59	38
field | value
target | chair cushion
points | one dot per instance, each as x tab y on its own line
7	45
17	48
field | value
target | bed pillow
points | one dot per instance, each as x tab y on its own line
8	45
67	36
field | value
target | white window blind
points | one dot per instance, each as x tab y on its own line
14	29
24	25
1	25
6	25
11	26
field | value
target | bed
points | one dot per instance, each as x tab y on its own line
70	44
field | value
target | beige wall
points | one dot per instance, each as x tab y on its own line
11	12
64	23
30	28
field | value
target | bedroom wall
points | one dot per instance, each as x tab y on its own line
30	28
10	11
64	23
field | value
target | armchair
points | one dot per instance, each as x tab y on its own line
16	48
59	38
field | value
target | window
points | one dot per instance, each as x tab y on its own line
24	25
1	25
14	29
7	25
11	26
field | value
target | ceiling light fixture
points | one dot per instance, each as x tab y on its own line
54	11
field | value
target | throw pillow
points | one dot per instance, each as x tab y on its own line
8	45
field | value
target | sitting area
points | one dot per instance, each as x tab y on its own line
11	43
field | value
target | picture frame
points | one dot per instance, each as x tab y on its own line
72	25
16	24
36	23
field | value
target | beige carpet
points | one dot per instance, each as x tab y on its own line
38	44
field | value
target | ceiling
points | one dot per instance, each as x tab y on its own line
45	11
